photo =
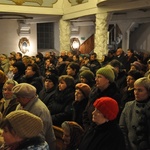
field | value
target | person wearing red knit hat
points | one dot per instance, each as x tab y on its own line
105	134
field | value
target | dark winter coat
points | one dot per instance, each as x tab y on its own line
47	96
129	61
36	81
78	108
18	77
123	59
121	80
11	107
41	67
107	136
94	65
128	95
61	108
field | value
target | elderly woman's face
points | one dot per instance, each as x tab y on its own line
7	91
98	117
140	93
78	95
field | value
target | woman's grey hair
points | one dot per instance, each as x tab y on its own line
144	81
10	81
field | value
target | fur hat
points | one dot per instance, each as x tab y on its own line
107	106
84	88
137	65
25	124
88	75
107	72
24	90
53	78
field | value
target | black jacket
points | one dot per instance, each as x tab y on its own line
61	108
47	96
107	136
36	81
78	108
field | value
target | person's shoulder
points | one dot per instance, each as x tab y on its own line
130	104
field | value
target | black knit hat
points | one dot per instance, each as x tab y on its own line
53	78
88	75
52	70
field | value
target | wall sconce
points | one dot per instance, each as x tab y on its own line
75	44
24	45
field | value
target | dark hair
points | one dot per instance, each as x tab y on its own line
40	56
5	123
68	79
116	63
74	66
35	68
19	54
131	50
93	54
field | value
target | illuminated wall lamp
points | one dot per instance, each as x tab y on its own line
75	44
24	45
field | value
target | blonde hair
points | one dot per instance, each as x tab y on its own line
144	81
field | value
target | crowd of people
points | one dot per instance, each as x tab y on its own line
97	105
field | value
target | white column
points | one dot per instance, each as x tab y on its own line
64	27
101	35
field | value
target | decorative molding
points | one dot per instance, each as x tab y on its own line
20	2
77	2
41	3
